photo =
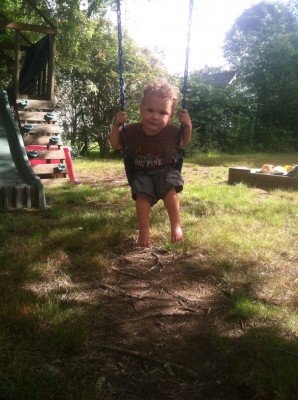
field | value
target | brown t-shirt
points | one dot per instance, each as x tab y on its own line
150	152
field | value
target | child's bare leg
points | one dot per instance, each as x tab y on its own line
171	202
143	209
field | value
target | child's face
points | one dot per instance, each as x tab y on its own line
156	113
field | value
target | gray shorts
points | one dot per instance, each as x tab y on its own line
156	184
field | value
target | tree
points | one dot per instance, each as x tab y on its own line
90	84
87	79
262	48
222	117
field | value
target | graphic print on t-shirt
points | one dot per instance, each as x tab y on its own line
148	155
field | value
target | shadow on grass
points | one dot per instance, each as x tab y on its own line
71	317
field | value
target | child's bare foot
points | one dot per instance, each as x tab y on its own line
176	234
144	238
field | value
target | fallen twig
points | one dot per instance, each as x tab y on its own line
291	353
113	289
131	296
127	273
144	356
190	309
155	284
183	300
144	316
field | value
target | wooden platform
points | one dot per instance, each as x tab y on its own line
252	177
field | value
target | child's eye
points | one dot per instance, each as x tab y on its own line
150	110
163	113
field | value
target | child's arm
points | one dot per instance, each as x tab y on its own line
184	119
120	119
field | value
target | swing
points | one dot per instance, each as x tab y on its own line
180	151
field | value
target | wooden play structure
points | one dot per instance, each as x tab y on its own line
31	95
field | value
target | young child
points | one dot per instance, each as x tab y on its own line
151	146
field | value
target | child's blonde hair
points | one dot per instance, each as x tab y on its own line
162	88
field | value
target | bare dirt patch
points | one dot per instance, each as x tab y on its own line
153	317
152	329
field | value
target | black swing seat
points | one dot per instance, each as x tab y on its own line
128	167
180	152
179	160
126	159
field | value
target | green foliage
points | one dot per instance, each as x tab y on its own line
250	106
223	118
89	92
88	82
262	49
85	79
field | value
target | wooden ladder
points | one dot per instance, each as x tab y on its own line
41	133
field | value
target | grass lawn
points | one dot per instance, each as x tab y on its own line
85	314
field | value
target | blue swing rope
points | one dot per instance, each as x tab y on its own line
184	87
120	57
180	152
126	159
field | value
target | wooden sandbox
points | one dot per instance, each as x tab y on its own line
253	177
